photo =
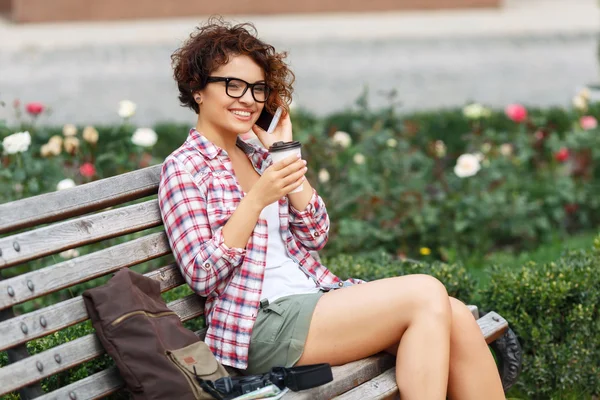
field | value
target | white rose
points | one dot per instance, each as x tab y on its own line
506	149
392	142
580	103
323	175
585	93
342	138
480	156
65	184
71	253
359	159
144	137
440	148
56	140
45	150
126	108
90	134
475	111
71	144
51	149
16	143
69	130
467	165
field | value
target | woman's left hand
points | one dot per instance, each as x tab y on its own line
282	133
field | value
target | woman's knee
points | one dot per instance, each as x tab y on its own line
460	311
431	297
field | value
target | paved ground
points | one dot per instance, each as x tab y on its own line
534	51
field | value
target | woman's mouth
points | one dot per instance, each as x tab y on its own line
242	115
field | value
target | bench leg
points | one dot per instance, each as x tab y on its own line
510	358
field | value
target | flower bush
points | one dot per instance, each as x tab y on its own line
37	159
458	182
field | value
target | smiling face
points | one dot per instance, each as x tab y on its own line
223	114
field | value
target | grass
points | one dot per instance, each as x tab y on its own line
543	254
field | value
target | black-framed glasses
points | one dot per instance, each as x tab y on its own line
236	88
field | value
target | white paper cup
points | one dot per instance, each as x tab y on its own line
279	155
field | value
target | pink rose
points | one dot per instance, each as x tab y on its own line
516	112
562	155
34	108
87	169
588	122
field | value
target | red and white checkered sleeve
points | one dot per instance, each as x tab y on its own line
203	257
311	225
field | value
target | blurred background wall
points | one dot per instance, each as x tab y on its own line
77	10
536	52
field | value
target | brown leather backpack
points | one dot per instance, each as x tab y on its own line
155	354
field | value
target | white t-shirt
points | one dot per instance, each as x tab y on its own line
283	276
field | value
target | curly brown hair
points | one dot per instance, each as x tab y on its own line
210	46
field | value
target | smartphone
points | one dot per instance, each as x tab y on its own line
267	121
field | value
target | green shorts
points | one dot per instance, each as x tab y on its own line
280	332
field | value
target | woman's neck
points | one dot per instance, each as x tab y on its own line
224	140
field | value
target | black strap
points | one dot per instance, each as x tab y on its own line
295	378
302	378
208	387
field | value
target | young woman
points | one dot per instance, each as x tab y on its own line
242	240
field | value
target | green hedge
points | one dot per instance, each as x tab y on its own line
555	310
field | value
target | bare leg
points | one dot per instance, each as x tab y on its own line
365	319
473	372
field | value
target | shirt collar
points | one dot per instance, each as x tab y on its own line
210	150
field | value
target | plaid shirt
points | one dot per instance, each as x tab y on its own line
197	194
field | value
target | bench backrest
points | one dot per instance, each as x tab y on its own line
39	227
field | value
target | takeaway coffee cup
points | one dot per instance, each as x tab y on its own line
281	150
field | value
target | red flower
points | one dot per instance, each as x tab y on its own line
88	170
34	108
562	155
516	112
571	208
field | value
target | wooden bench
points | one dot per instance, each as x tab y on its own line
44	225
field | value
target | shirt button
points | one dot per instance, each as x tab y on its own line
341	284
207	265
316	234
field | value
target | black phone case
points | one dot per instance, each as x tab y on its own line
264	120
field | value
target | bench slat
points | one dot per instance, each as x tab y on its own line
81	269
92	196
378	388
78	232
69	312
73	353
94	386
492	326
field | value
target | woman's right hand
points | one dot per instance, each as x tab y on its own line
278	180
